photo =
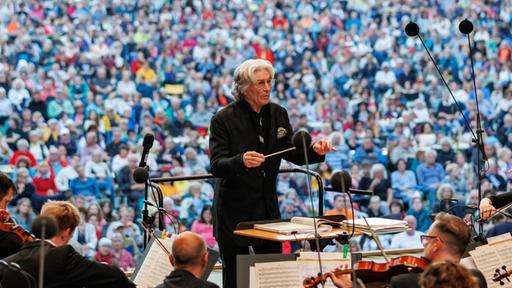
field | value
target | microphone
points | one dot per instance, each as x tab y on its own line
300	137
147	143
140	175
341	182
412	29
297	143
465	26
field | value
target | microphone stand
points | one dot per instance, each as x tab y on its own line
466	27
308	186
40	277
412	30
146	219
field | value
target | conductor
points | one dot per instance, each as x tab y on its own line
240	135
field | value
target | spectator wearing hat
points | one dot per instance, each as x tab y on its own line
66	140
23	151
104	253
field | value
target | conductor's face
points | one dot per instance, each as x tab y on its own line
258	93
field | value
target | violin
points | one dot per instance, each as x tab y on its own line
371	271
7	224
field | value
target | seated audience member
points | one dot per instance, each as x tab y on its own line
189	258
64	267
84	186
122	258
204	227
409	238
446	203
430	175
403	181
447	275
24	186
44	182
341	206
85	234
104	253
421	214
23	214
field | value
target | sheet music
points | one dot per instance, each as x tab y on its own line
489	257
252	277
155	266
290	274
499	238
283	274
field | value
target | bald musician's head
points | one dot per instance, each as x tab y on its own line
189	253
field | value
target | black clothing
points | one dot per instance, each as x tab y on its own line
12	276
501	200
243	194
65	268
411	280
10	243
500	228
180	278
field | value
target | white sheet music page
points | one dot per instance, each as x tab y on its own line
156	265
488	258
283	274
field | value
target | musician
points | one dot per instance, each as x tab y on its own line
446	240
240	135
189	258
10	243
489	205
64	267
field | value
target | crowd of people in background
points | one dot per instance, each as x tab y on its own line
81	83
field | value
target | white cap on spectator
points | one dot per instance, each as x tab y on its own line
104	242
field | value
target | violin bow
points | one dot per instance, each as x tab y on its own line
376	239
157	239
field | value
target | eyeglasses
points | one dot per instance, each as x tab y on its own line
425	239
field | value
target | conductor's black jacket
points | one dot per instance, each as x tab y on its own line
243	194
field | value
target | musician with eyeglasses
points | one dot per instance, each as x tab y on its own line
446	240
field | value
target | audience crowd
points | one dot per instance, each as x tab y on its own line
81	83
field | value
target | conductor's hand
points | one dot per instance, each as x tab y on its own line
486	209
340	282
253	159
322	147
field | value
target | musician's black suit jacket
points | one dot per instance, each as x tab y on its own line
248	194
10	243
65	268
180	278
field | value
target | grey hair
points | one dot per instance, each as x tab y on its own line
378	168
244	75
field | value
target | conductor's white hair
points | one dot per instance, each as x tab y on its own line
244	75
